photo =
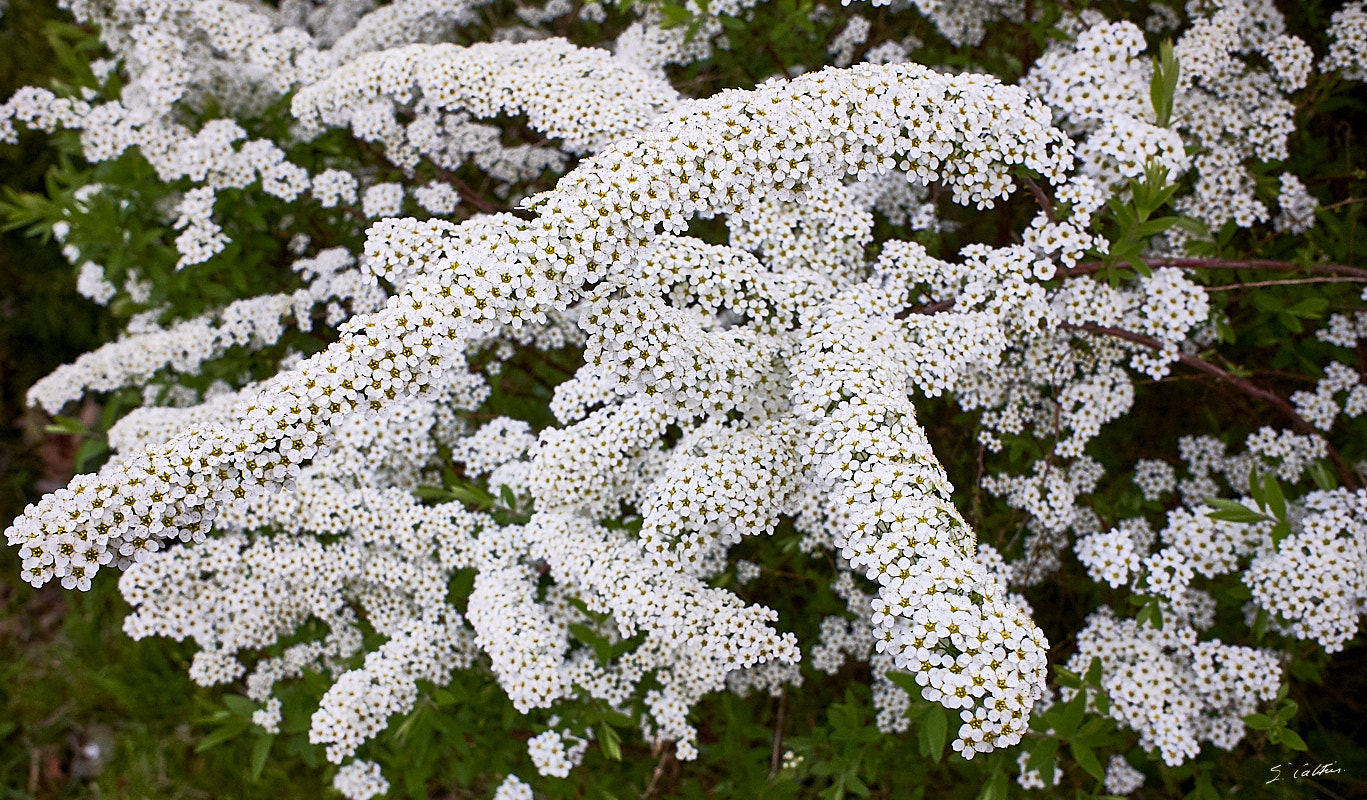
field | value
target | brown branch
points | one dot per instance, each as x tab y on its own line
1040	197
777	756
1294	282
1248	388
1091	267
469	195
665	750
927	309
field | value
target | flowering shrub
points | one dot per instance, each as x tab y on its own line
507	398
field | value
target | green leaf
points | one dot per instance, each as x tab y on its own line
1231	511
1067	678
610	741
67	425
1072	716
1255	488
1309	308
1205	789
1280	531
1276	501
1086	759
673	15
1323	476
1094	672
908	683
1163	86
1260	624
436	493
934	731
1043	753
1258	722
240	705
1195	227
261	749
1154	227
996	786
1293	740
221	735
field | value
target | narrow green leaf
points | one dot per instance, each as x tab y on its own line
1255	488
69	426
1323	477
1103	703
1042	753
1094	672
240	705
584	634
261	749
221	735
1280	531
1195	227
1276	501
1231	511
935	725
610	741
1258	722
1086	759
1293	740
995	787
1072	716
1205	789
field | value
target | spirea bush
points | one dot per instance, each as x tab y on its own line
722	399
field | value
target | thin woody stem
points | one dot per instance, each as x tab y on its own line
1246	387
1293	282
1090	267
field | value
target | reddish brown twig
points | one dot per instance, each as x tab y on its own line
1246	387
1291	282
1090	267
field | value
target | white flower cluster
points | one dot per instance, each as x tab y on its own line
580	96
1227	107
359	704
808	393
1321	407
1110	556
360	780
1099	85
726	385
1315	581
513	788
1174	690
1348	42
555	753
333	280
1154	478
1344	330
1121	778
1064	384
